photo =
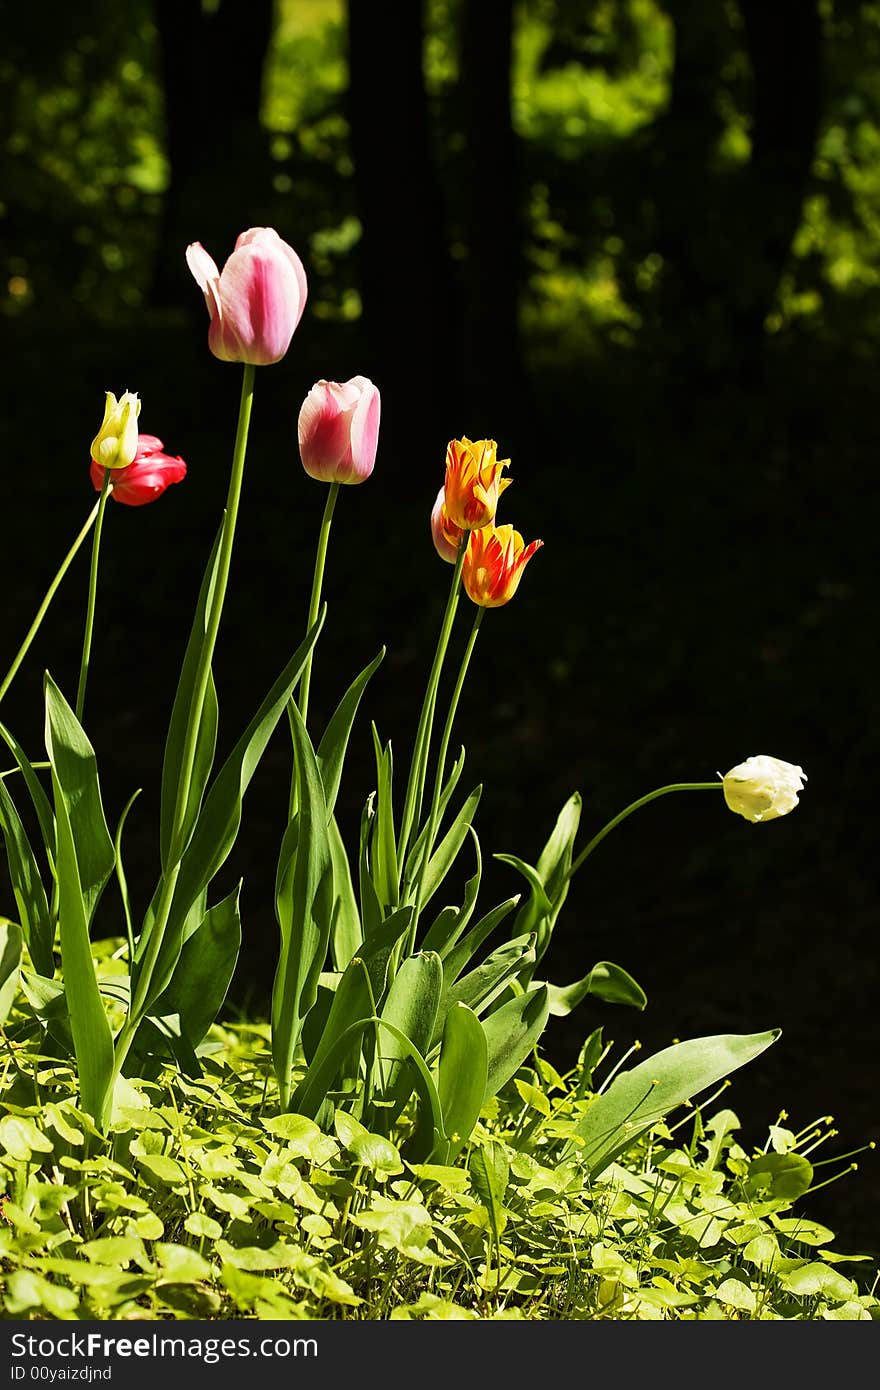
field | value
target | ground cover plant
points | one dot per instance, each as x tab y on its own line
390	1140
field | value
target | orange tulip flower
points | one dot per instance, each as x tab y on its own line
473	482
493	564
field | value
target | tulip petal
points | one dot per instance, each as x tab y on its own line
261	307
203	269
365	429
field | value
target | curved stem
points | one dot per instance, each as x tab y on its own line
200	686
415	788
642	801
93	590
50	594
441	767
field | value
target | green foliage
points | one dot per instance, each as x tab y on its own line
201	1202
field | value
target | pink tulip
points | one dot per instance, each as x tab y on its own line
339	430
257	302
445	534
146	478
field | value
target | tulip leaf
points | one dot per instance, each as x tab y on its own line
10	963
219	820
462	1075
636	1099
489	1172
203	973
414	857
347	935
41	802
352	1006
444	856
487	981
606	981
89	1026
332	748
411	1005
549	880
511	1033
303	905
451	922
181	714
75	769
383	849
371	908
27	886
456	954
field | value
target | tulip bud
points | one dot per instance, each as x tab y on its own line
339	430
445	534
256	303
115	444
763	788
473	482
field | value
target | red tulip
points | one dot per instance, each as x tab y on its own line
339	430
257	302
146	478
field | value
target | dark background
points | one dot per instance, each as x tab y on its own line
636	243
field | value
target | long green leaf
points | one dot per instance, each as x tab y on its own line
352	1005
549	880
457	954
606	981
448	926
207	961
10	964
481	986
636	1099
332	748
75	767
411	1005
413	859
92	1038
511	1033
206	741
383	849
347	935
304	906
42	805
27	886
219	820
462	1074
444	856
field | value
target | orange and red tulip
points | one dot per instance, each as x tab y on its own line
493	565
473	482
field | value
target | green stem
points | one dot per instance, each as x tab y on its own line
315	600
415	788
50	594
642	801
93	590
441	769
200	686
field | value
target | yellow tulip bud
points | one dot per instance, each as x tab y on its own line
763	788
115	444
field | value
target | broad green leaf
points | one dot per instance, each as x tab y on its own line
10	963
347	935
351	1007
41	802
511	1033
206	738
374	1152
606	981
816	1279
332	748
490	1173
779	1177
74	768
201	979
446	853
411	1005
445	931
636	1099
462	1074
303	905
27	886
219	820
481	986
92	1038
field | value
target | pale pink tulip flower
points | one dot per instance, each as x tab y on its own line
339	430
256	302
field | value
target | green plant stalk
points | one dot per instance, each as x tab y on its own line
642	801
93	590
440	771
50	594
418	771
314	605
224	558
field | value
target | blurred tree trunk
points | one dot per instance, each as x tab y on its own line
212	75
490	207
406	275
725	237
